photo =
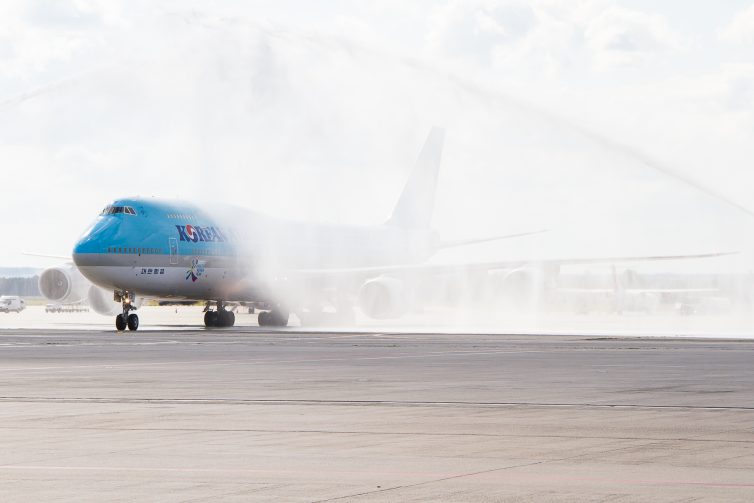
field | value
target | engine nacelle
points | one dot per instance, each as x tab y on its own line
519	283
525	287
383	297
63	284
101	301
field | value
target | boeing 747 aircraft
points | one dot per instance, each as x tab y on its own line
172	249
141	247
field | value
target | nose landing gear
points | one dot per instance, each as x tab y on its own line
125	319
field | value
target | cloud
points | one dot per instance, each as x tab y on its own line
737	88
39	38
477	28
544	38
278	117
741	28
619	36
67	15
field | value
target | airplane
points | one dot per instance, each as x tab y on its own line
223	255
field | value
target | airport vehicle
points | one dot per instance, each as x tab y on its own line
11	304
221	255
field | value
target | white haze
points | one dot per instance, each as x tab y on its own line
555	114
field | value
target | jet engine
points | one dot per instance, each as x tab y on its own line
101	301
525	287
383	297
63	284
519	285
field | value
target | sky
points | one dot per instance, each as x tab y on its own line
571	116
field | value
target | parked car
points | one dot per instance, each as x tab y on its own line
11	303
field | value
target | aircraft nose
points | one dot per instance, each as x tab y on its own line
93	241
78	251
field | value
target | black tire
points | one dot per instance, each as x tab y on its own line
120	323
279	318
263	318
225	318
210	319
133	322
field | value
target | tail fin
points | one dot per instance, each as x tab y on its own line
417	202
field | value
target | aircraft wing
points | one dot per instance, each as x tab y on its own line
432	268
636	290
465	242
47	255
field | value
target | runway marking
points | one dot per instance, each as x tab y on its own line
394	403
376	433
87	344
424	331
273	361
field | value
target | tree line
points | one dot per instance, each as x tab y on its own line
25	287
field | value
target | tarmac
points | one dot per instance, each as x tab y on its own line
246	414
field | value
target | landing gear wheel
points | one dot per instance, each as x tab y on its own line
275	318
225	318
228	319
279	317
125	320
133	322
210	319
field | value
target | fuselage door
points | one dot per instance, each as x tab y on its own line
173	250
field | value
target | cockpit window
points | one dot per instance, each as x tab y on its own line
112	210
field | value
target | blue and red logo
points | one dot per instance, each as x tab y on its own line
196	271
195	233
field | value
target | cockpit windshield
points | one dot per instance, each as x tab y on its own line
112	210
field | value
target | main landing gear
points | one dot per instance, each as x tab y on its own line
219	318
125	319
278	317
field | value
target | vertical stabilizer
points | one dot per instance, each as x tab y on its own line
417	202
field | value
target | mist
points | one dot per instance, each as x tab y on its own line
324	126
